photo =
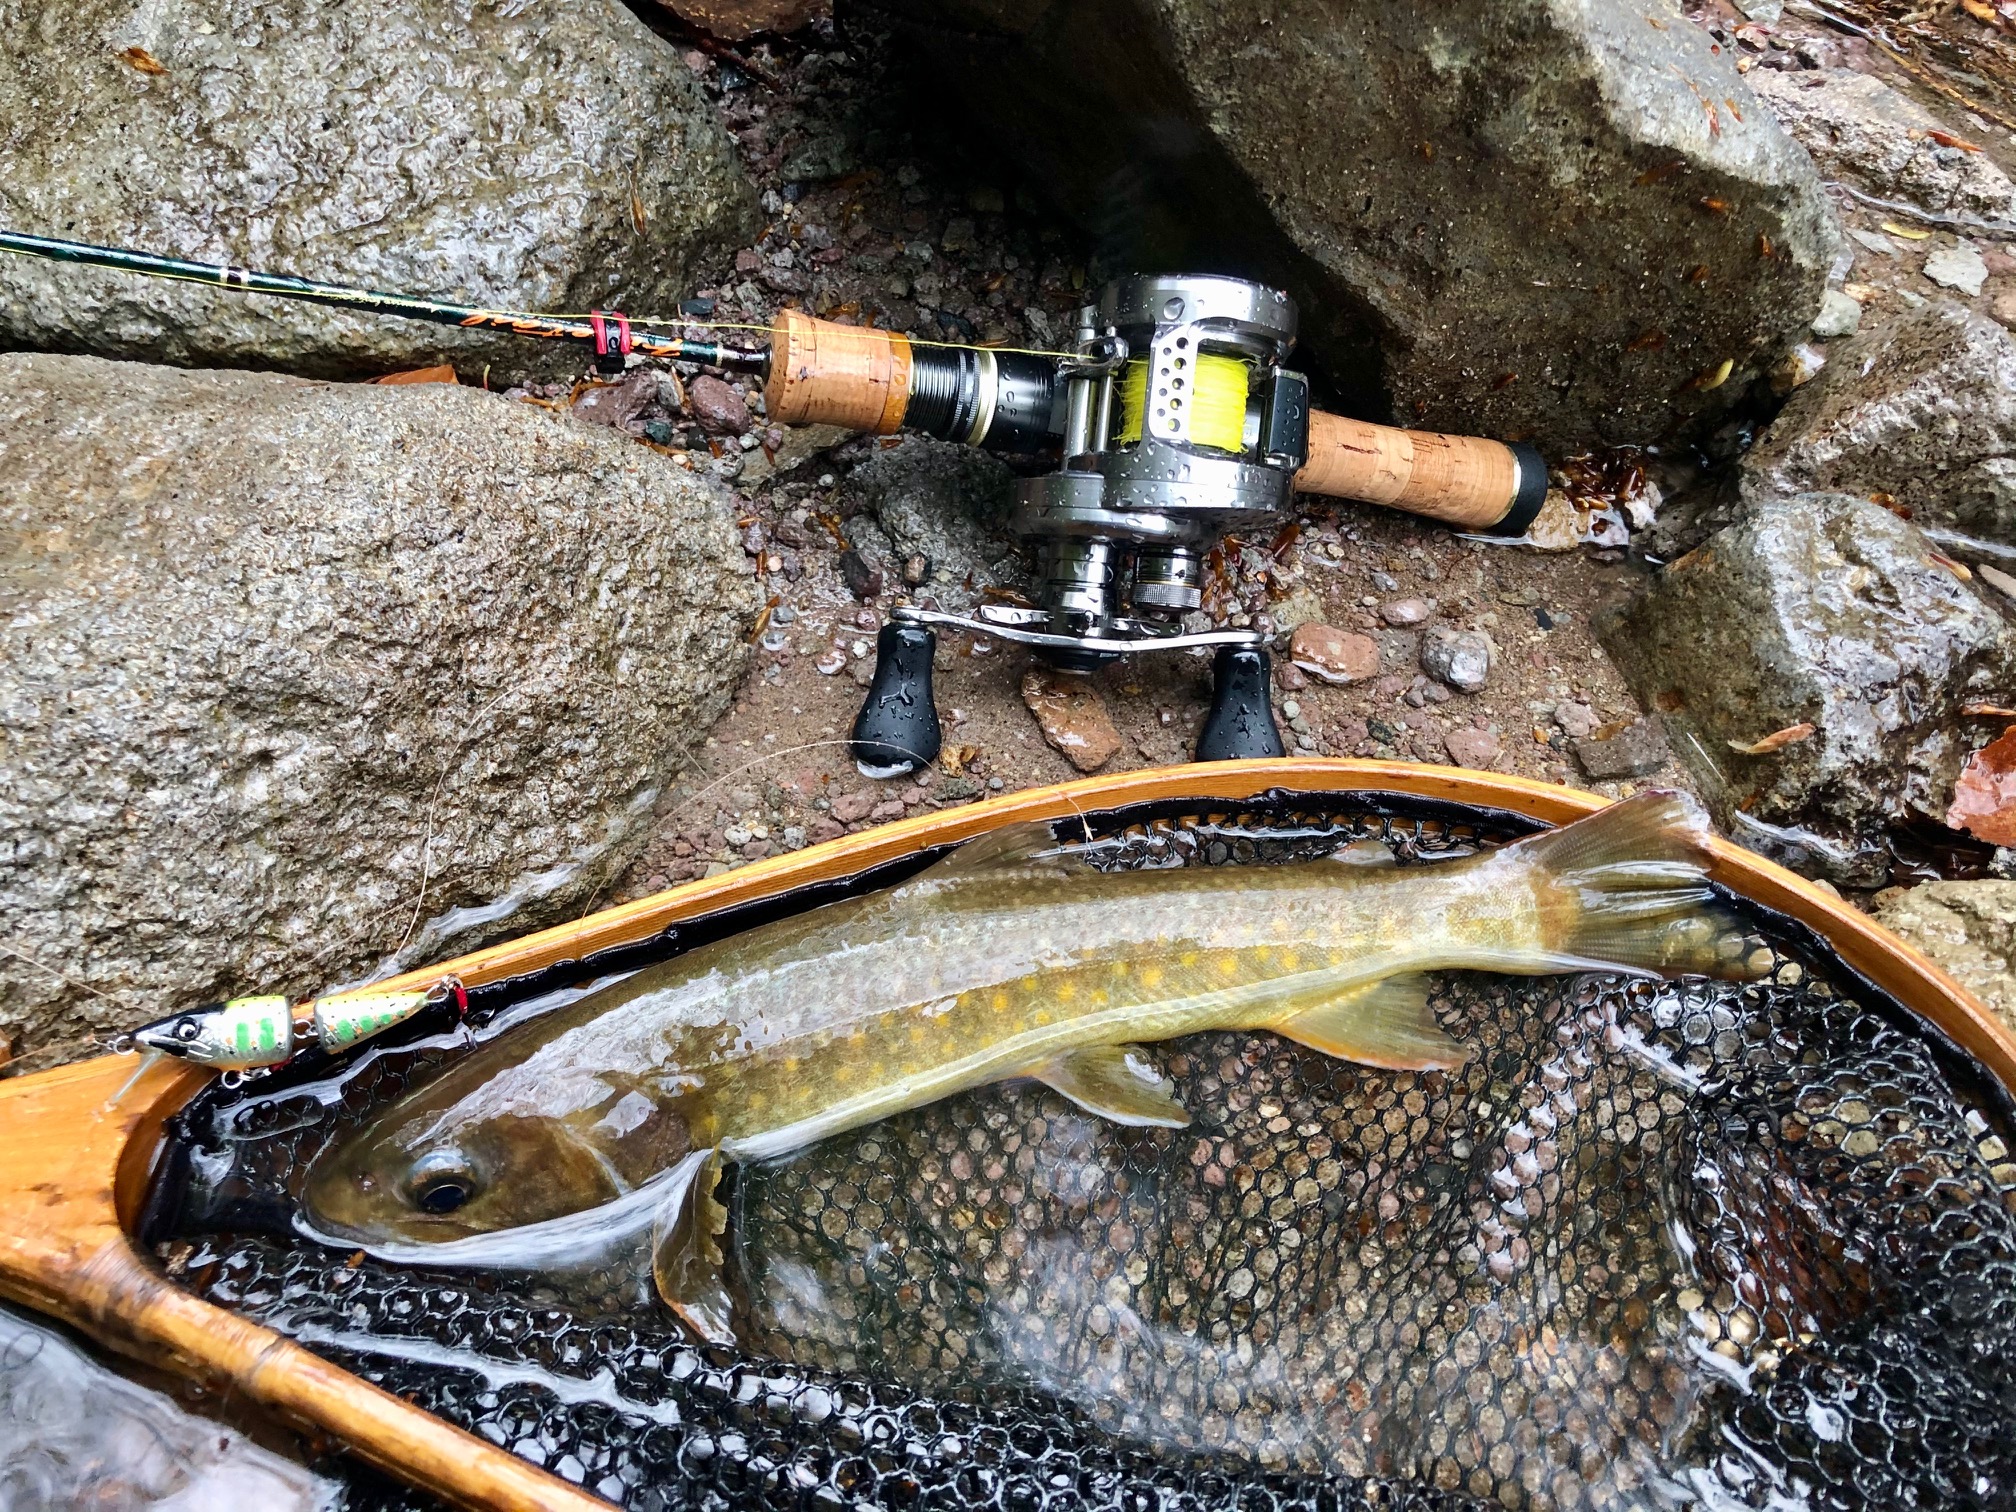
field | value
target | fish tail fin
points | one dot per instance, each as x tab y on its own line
1636	877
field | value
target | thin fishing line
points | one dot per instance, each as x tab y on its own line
62	976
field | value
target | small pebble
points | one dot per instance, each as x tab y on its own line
1460	658
1406	611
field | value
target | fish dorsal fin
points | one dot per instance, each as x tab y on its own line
1028	849
1387	1023
1117	1082
686	1259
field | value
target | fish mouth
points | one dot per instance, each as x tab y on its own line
571	1241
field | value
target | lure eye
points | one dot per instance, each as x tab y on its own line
187	1030
441	1182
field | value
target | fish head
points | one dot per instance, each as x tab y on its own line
427	1174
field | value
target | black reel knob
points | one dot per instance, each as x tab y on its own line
1240	725
897	728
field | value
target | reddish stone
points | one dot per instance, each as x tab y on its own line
1335	656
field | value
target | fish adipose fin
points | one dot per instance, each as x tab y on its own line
1639	872
1387	1023
686	1259
1117	1082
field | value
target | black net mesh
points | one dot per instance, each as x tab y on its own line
1655	1245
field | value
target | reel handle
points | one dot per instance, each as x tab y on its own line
1466	481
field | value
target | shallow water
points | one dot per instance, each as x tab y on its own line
75	1434
1654	1246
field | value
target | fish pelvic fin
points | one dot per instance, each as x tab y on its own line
686	1260
1635	880
1116	1082
1387	1023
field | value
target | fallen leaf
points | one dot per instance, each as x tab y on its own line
1983	12
1664	171
1710	378
1777	740
1645	341
1987	711
1612	728
1984	799
638	219
140	59
954	758
1907	232
443	373
1947	139
1713	204
1959	569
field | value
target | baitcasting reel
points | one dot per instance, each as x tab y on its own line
1178	423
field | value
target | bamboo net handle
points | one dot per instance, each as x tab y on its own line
1464	481
825	373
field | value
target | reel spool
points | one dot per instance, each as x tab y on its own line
1178	422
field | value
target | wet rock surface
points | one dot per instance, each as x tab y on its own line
295	673
1923	409
1857	127
941	507
1532	218
1827	610
1967	927
523	158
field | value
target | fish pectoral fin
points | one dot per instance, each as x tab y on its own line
1387	1023
1117	1082
686	1258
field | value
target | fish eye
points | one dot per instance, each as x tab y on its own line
441	1182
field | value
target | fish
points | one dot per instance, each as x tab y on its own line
1011	957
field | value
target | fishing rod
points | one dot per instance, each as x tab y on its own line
1175	418
609	333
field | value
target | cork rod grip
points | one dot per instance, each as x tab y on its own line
1464	481
825	373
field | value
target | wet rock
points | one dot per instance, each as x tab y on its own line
1959	268
1558	527
1460	658
1471	748
1858	128
1531	184
617	404
719	410
1819	609
946	503
273	651
1405	611
1637	750
864	579
733	20
484	153
1967	927
1333	655
1839	316
1575	718
1073	718
1923	409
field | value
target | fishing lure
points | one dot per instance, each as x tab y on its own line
250	1035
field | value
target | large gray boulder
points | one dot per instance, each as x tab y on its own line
545	157
1825	611
294	674
1543	218
1923	409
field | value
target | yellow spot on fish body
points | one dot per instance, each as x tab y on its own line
1188	958
999	1000
1228	964
1290	960
1151	976
1066	990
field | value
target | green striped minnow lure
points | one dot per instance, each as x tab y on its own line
259	1033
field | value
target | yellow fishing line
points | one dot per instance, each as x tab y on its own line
1213	392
